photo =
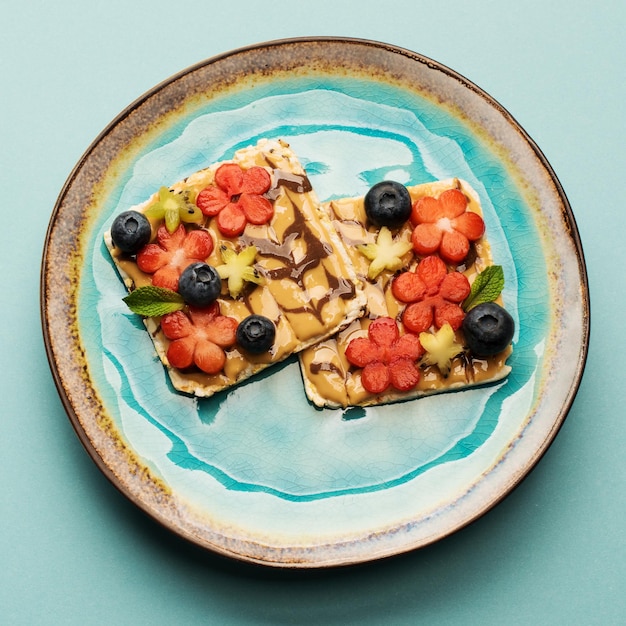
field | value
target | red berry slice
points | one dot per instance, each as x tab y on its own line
432	270
407	347
209	357
426	239
454	287
172	253
383	331
408	287
469	224
180	353
211	200
229	177
199	338
231	220
257	209
418	317
449	313
361	351
404	374
386	357
256	180
454	247
376	377
445	225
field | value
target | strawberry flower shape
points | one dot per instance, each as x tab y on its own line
199	338
237	198
433	294
172	253
386	357
445	225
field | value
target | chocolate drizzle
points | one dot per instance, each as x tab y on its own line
315	252
298	183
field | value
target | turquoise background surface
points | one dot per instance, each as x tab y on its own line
74	551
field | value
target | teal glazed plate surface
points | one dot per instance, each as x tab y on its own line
258	473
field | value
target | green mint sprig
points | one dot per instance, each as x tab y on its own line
487	286
153	301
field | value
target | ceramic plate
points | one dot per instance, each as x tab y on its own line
258	473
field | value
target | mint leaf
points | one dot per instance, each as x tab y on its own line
153	301
487	286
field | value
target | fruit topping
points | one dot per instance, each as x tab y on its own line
386	357
433	294
238	268
385	254
388	203
445	225
256	334
130	231
488	329
441	347
172	253
237	198
199	284
199	338
173	208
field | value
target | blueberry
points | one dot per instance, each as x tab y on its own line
199	284
488	329
388	204
256	334
131	231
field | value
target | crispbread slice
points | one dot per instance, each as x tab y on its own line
328	377
310	290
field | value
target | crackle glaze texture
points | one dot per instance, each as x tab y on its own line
258	473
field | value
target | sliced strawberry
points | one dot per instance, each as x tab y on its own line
180	352
166	277
151	258
257	209
453	203
256	180
432	270
407	347
408	287
426	238
176	325
376	377
198	244
386	357
231	220
455	287
454	247
172	253
361	351
404	374
425	210
211	200
171	241
443	224
205	315
469	224
229	177
418	316
383	331
449	313
198	338
222	331
209	357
